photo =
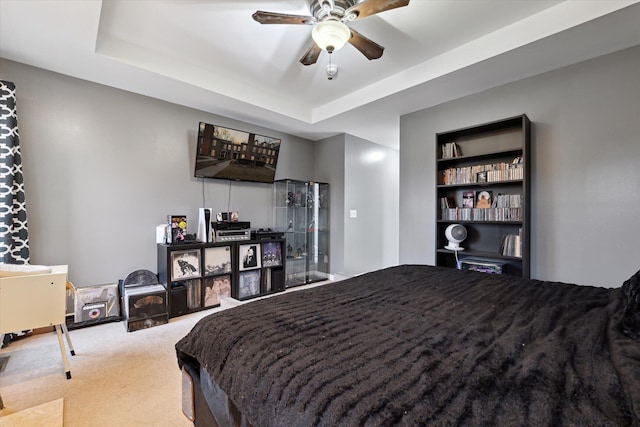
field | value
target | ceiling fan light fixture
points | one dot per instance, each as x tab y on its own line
330	35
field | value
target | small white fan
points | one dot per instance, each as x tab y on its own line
455	234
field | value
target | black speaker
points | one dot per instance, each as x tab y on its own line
178	300
277	279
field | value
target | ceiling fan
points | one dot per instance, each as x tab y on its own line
330	32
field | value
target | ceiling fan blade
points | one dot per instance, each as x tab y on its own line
368	48
282	18
371	7
311	56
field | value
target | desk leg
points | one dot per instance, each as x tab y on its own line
66	333
64	353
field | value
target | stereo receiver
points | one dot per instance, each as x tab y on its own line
226	231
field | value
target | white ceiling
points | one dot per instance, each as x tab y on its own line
211	55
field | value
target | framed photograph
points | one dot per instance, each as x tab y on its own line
271	254
216	288
185	264
249	284
249	256
468	199
481	176
217	260
484	199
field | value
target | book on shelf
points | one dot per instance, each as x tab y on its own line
451	150
448	202
512	245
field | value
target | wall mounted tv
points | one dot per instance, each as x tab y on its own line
237	155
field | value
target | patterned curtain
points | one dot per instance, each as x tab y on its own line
14	237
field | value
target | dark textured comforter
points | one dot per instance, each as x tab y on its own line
420	345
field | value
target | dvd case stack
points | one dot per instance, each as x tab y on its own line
497	172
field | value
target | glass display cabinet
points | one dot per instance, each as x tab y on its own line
302	213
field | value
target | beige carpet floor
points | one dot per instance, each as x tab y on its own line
119	378
48	414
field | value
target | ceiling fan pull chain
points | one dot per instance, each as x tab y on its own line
332	70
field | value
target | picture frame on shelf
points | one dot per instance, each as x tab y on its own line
249	284
217	260
249	256
185	264
481	177
468	199
271	254
484	199
227	216
215	288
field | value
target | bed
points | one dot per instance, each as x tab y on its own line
421	345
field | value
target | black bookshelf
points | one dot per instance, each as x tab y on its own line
500	152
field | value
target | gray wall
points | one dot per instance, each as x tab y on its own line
329	168
103	167
585	174
364	177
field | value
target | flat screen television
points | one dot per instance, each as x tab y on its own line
225	153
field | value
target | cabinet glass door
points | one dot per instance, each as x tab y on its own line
317	232
302	213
